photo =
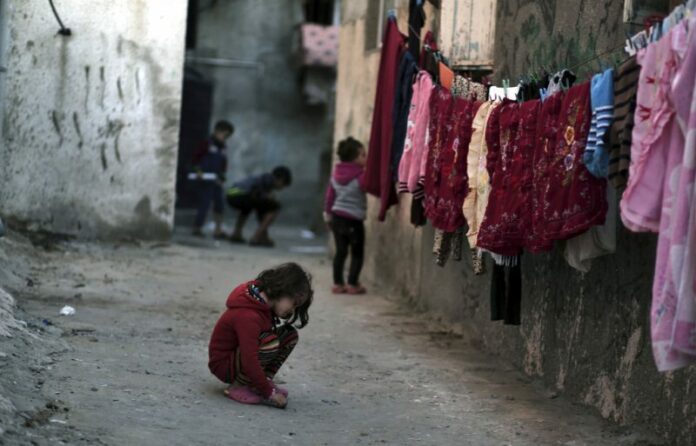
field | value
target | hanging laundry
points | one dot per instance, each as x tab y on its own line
446	76
673	312
429	58
508	217
446	183
572	199
598	241
548	129
378	174
506	294
596	156
467	89
475	203
412	164
625	90
416	20
560	81
401	110
641	205
500	93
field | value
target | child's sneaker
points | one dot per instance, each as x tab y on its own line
339	289
356	289
243	395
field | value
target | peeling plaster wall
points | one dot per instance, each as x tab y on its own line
90	123
586	335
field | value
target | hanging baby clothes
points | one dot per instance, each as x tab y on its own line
625	90
402	105
506	294
475	203
548	128
446	182
564	79
673	313
596	156
572	200
641	205
415	145
464	88
597	241
508	218
378	176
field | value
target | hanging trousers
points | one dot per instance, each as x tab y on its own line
506	294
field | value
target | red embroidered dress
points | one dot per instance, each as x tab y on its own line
508	219
447	180
573	200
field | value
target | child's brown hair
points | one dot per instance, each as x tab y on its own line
349	149
289	279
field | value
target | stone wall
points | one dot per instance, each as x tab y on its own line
90	121
586	335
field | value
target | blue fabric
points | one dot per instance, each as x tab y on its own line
208	192
596	156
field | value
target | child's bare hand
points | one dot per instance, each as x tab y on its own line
278	400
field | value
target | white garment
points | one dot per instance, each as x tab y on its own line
597	241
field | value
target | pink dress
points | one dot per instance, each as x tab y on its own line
673	313
415	147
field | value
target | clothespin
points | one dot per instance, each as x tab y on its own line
506	85
391	14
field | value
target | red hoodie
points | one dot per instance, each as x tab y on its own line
239	327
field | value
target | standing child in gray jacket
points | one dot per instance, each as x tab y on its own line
345	209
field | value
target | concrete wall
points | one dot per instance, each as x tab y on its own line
586	335
90	122
264	99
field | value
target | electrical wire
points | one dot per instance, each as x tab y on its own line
63	30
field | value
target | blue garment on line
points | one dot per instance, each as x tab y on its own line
596	156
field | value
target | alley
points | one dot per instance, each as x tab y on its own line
130	366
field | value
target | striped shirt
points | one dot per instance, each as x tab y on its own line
625	91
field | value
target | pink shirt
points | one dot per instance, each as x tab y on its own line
641	206
412	165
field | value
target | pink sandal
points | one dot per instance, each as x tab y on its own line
243	395
357	289
339	289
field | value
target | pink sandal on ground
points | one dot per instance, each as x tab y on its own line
357	289
339	289
279	389
243	395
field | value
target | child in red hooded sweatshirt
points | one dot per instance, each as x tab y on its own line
248	345
345	210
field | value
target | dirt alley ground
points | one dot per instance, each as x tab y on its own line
129	368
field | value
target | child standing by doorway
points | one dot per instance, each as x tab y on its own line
211	157
344	211
248	346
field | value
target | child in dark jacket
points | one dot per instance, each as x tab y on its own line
248	346
344	210
211	158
